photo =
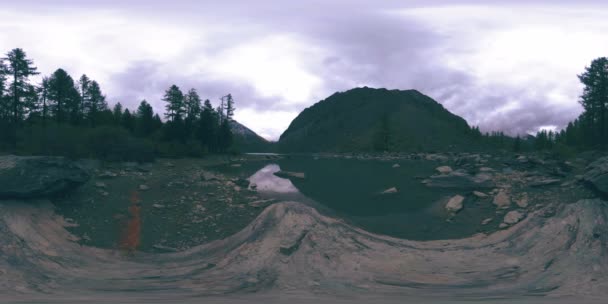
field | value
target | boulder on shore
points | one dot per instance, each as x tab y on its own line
513	217
38	176
597	175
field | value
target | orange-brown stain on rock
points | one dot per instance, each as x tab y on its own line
130	238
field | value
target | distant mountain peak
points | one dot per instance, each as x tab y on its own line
359	119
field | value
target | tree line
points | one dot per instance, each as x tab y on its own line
64	116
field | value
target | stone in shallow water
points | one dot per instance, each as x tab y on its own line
38	176
461	180
392	190
502	200
513	217
287	174
480	194
455	204
444	169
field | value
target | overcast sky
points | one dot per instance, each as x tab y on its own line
502	65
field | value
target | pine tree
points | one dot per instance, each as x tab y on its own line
175	107
4	101
595	98
44	96
145	124
20	68
206	131
83	85
128	121
95	102
64	97
229	107
193	105
117	113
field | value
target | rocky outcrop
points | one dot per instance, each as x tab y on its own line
38	176
461	180
556	251
597	175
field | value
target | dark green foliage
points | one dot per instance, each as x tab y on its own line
366	119
175	107
145	124
63	97
128	121
18	70
64	117
117	144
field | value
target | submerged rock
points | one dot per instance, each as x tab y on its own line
461	180
392	190
455	204
480	194
38	176
288	174
444	169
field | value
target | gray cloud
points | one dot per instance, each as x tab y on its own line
360	43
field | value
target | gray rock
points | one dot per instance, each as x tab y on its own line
455	204
544	182
487	221
480	194
38	176
287	174
513	217
100	185
596	175
144	187
502	200
392	190
395	166
461	180
522	202
444	169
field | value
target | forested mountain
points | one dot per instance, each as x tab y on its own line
367	119
245	140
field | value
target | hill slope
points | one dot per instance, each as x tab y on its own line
245	140
366	119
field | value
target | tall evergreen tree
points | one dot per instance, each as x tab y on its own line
206	131
64	97
44	96
229	107
95	102
128	121
145	124
193	105
117	113
83	85
4	102
175	107
20	68
595	98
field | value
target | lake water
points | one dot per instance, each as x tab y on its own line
352	189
